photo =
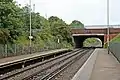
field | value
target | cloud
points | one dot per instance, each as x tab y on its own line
114	11
90	12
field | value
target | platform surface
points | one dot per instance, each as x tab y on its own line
27	56
85	71
106	67
99	66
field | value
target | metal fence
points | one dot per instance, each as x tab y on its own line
8	50
115	49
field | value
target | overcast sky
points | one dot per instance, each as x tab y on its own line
89	12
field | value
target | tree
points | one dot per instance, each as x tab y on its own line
15	22
4	36
10	18
60	29
77	24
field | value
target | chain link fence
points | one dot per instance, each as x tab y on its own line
115	49
8	50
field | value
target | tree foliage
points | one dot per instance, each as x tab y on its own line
90	41
76	24
10	19
14	26
116	39
4	36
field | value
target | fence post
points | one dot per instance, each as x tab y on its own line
6	52
23	50
15	50
1	50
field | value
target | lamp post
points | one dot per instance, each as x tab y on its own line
30	36
108	29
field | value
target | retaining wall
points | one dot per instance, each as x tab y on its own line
115	49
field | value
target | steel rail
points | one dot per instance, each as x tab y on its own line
64	66
32	66
58	72
24	60
69	56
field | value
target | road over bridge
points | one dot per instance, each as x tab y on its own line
80	35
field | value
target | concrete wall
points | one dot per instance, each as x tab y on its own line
115	49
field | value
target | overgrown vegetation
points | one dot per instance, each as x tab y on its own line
77	24
116	39
90	41
14	27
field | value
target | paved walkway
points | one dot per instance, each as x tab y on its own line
106	67
28	56
84	73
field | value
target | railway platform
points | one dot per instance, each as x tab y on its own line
99	66
15	59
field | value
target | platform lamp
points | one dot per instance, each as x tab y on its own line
108	29
30	36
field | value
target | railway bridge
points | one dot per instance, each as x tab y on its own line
80	35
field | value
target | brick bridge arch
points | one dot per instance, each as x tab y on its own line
80	35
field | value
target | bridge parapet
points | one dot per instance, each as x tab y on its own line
95	31
114	30
88	31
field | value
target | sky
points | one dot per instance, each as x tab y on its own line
89	12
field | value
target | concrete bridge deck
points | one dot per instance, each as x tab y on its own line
99	66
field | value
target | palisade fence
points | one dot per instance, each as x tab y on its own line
115	49
8	50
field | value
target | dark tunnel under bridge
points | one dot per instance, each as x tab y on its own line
79	39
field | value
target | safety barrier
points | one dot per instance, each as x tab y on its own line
115	49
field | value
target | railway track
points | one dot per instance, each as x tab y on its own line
48	69
23	61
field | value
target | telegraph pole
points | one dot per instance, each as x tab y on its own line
108	29
33	7
30	36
